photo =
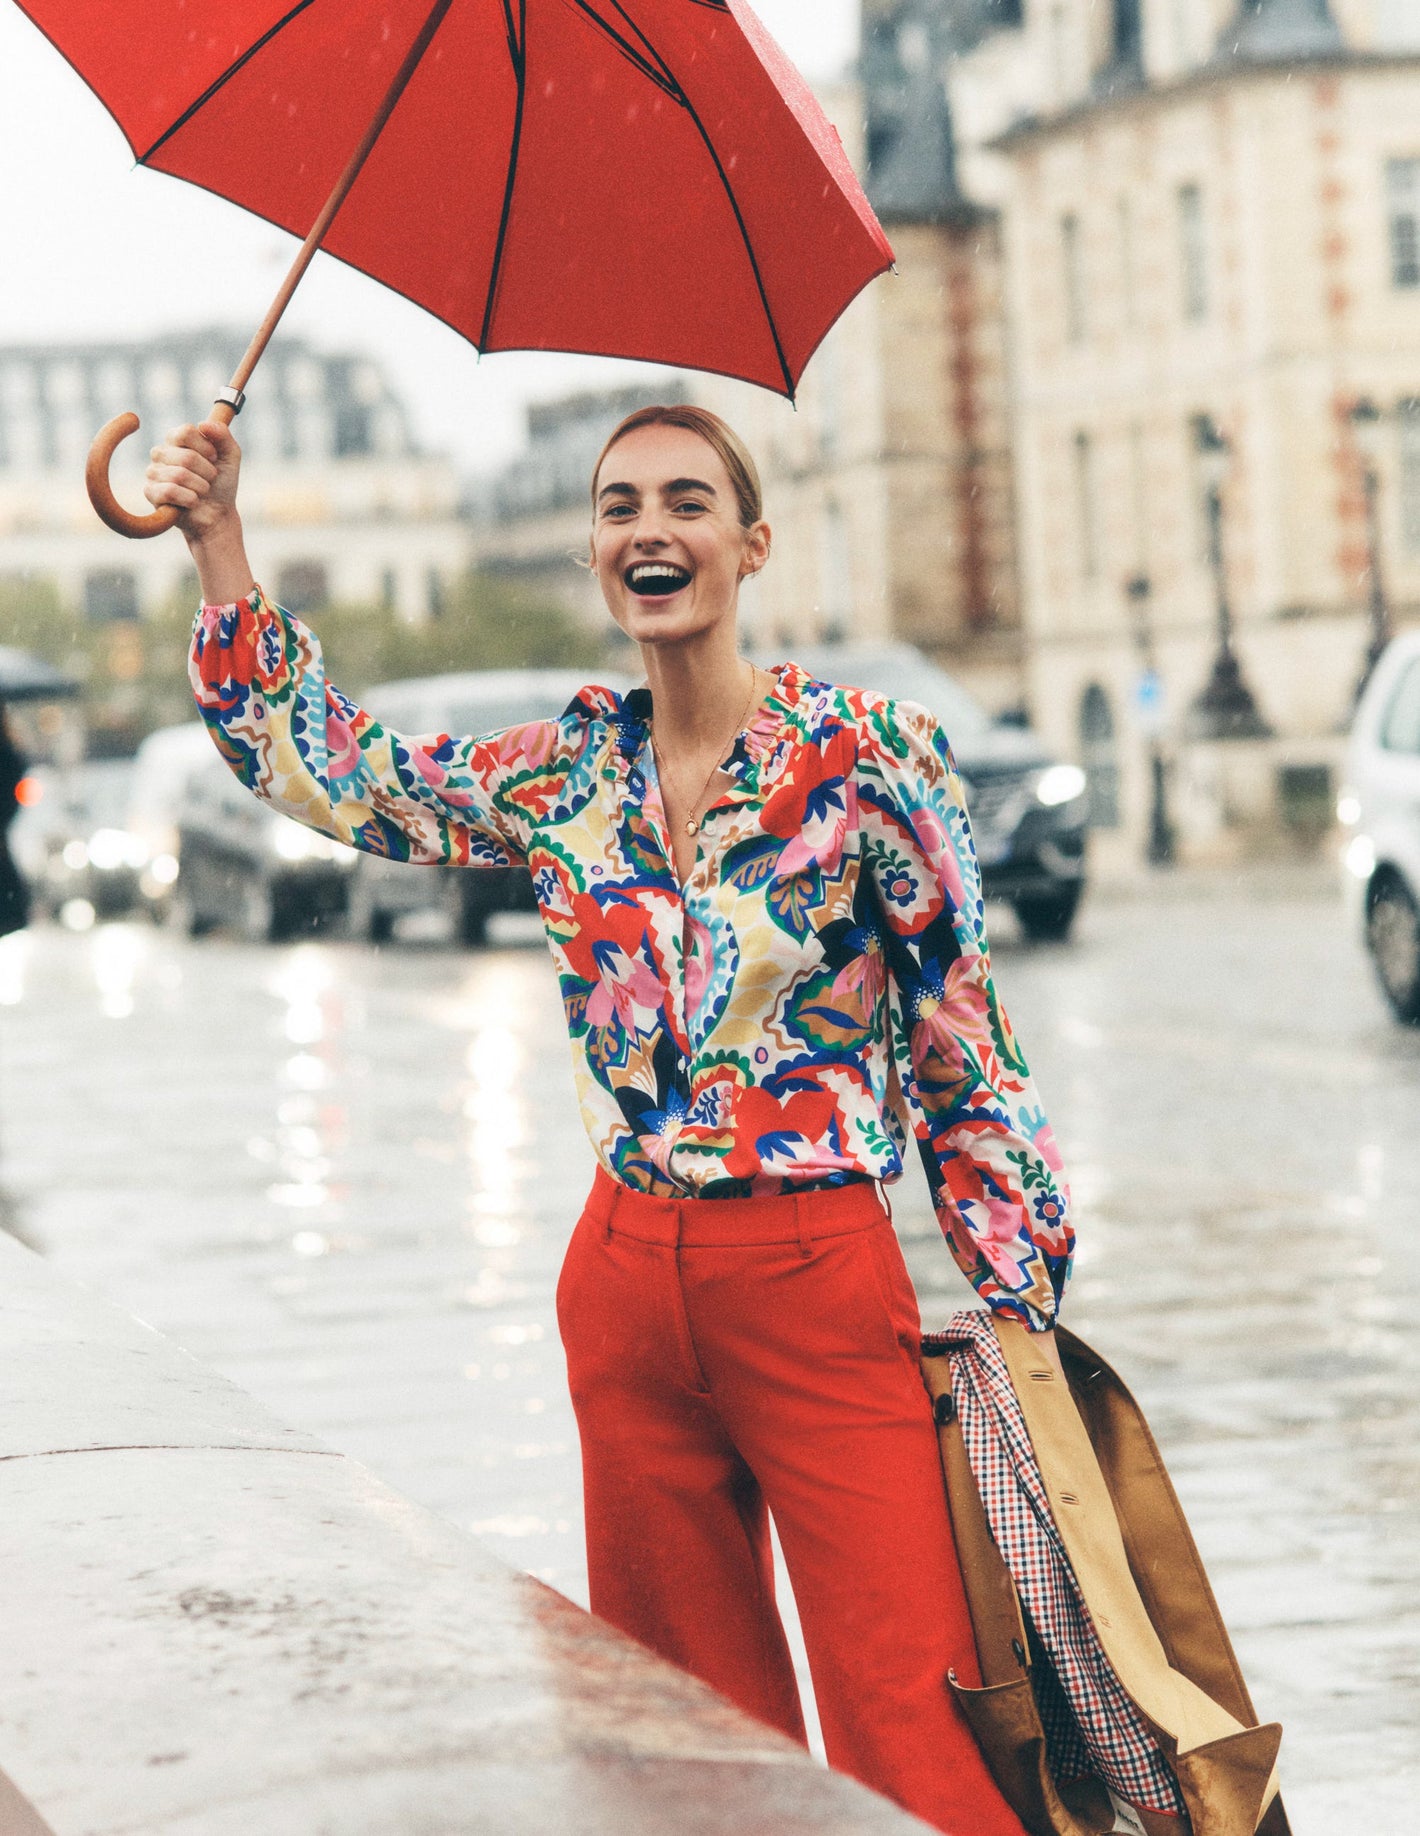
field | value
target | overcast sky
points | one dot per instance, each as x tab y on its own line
90	246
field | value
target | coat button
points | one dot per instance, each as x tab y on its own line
944	1409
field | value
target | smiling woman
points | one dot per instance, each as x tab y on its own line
763	902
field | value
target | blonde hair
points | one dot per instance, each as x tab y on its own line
744	473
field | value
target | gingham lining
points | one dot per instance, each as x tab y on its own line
1090	1724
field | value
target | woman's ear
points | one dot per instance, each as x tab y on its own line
757	542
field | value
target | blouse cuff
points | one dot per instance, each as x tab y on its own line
252	601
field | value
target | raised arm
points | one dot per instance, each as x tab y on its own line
991	1160
294	739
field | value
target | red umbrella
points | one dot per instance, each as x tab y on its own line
632	178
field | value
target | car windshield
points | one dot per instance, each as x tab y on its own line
96	797
906	675
492	716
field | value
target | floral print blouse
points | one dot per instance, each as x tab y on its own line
818	986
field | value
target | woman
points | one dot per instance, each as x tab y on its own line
761	895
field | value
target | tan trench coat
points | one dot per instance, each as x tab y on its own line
1149	1598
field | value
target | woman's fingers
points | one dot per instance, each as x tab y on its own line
170	483
171	491
188	458
194	439
194	468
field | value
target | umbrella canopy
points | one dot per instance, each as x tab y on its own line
634	178
28	678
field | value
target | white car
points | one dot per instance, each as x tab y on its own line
1380	807
471	702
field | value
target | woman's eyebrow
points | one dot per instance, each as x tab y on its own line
689	484
616	490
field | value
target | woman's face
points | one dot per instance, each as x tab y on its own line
667	547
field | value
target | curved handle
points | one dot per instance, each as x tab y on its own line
106	442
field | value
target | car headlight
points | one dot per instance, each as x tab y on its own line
292	841
1360	856
110	849
1059	784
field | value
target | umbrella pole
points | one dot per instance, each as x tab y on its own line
229	402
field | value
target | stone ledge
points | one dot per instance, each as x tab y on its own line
215	1625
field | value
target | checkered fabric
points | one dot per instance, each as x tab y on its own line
1091	1726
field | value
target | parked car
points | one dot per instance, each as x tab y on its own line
1380	805
242	863
161	768
73	843
473	702
1028	810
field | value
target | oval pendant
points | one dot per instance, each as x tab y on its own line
692	827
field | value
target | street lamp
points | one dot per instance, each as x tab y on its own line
1150	711
1367	430
1225	708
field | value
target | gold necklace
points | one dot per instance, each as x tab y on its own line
692	826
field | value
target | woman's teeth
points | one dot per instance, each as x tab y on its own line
655	579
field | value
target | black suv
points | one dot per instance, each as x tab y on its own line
1028	811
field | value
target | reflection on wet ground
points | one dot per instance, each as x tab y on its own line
345	1178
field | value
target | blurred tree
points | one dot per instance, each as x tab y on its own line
134	671
34	618
487	623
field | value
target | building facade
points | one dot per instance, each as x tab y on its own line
340	503
889	480
1213	256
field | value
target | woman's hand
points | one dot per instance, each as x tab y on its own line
196	470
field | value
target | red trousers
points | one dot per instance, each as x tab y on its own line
734	1357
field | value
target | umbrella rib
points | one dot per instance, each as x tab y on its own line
232	69
729	190
517	51
653	73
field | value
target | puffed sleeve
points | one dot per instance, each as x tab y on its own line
992	1163
298	743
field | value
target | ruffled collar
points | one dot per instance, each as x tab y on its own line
632	713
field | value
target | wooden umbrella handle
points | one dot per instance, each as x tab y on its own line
106	443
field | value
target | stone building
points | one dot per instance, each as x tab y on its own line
889	480
1213	255
339	501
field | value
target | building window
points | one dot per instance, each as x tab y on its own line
1072	259
1085	505
835	604
389	589
1403	201
1127	297
1139	493
1193	251
1099	756
353	433
1410	476
110	594
435	597
302	586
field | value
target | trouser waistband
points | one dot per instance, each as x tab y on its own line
795	1217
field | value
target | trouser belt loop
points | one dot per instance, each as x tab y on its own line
801	1224
613	1200
887	1202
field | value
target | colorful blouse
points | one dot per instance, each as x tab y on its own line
819	984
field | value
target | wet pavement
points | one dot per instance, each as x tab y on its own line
344	1177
